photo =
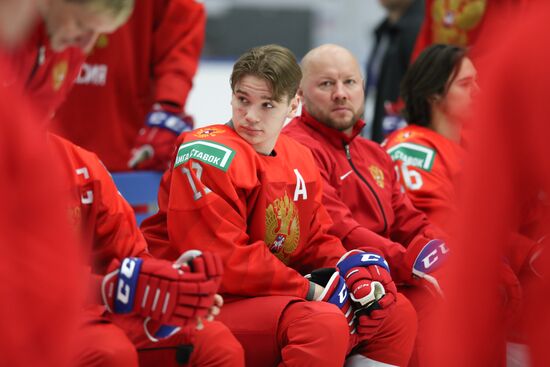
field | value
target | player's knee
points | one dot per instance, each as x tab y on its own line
231	351
215	345
319	321
313	334
404	314
122	354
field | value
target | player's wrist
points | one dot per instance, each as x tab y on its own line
310	296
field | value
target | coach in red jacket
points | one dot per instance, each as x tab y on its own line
362	192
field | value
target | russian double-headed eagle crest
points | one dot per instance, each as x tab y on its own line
378	175
208	131
453	19
59	72
282	228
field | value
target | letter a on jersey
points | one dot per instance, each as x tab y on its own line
300	186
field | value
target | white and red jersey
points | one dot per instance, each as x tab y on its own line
262	214
150	59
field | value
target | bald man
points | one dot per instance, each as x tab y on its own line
362	192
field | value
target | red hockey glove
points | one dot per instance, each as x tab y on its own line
372	291
172	294
336	292
155	143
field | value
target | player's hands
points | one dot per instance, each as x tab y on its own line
197	262
169	293
372	290
155	143
334	290
427	264
367	277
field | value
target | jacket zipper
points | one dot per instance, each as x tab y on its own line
348	156
40	58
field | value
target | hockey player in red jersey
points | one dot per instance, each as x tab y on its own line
137	78
428	152
254	196
40	291
506	164
186	292
438	91
49	60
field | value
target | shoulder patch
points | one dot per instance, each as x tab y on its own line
214	154
414	155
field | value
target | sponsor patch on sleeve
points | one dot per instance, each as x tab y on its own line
414	155
214	154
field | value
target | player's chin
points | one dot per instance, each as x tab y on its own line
342	123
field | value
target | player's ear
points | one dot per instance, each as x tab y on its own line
293	107
435	98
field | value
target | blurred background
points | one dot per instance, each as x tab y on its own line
235	25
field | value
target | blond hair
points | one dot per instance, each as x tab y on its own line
119	9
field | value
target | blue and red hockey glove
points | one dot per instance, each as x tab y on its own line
372	290
155	143
335	292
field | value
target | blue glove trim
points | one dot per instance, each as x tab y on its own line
165	331
364	259
168	121
431	257
340	295
126	285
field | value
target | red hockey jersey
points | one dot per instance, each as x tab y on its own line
262	214
46	75
40	285
362	193
429	167
150	59
96	208
462	22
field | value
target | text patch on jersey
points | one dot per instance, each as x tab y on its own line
413	155
214	154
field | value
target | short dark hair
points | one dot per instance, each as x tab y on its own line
431	74
276	64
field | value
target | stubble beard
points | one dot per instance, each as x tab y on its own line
340	125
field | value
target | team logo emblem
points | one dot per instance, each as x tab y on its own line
282	227
102	41
378	175
59	72
208	131
452	20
